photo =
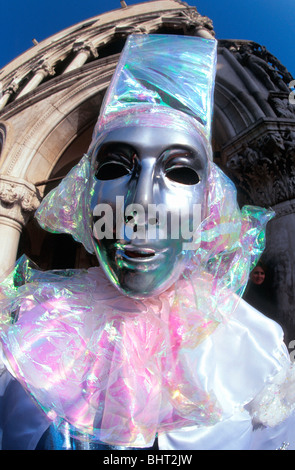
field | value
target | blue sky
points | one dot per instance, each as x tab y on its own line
271	23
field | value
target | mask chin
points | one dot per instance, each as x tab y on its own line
136	291
141	279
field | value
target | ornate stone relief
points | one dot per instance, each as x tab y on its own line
81	46
194	18
192	22
44	67
264	169
265	66
281	105
18	199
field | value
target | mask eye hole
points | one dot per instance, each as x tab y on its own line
114	160
111	171
183	175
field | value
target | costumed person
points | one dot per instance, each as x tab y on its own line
154	348
259	293
258	290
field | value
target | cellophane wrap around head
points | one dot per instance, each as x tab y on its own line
115	368
162	81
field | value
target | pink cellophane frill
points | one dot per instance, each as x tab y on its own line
109	365
120	369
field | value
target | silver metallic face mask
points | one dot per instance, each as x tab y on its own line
139	201
148	201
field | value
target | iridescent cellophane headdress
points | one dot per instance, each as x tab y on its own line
161	81
115	368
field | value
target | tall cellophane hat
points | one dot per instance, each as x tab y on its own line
161	80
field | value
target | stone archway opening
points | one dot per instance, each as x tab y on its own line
51	250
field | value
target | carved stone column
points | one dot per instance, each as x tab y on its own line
8	92
83	51
18	200
42	70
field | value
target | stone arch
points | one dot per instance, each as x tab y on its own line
67	113
63	133
59	251
2	138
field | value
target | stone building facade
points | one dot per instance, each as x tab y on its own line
51	99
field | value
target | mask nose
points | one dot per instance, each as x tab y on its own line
143	191
137	207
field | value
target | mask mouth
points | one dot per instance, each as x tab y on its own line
137	253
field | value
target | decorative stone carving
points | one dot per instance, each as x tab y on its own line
82	46
83	51
18	199
12	87
281	105
99	31
191	21
10	90
264	169
125	30
265	66
42	70
44	67
198	21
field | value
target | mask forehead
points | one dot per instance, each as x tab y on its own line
153	141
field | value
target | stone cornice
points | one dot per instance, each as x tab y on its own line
95	34
60	44
261	127
98	68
